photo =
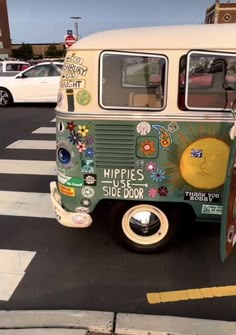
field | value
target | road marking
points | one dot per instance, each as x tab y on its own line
33	144
13	264
191	294
45	130
28	204
11	166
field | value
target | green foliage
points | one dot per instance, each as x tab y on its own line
53	52
25	51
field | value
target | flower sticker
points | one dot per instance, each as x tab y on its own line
147	147
89	152
74	138
163	191
81	147
71	126
151	167
152	192
83	130
158	175
89	140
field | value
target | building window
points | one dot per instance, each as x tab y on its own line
0	32
1	44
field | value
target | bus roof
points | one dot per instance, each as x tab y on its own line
201	36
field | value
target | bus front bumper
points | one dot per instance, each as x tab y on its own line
68	219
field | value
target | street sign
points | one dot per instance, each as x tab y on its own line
69	32
69	40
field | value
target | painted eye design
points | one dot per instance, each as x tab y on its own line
64	156
60	127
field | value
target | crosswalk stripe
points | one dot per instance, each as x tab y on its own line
29	204
45	130
10	166
13	264
33	144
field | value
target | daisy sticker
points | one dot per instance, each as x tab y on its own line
151	167
158	175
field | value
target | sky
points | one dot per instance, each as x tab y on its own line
47	21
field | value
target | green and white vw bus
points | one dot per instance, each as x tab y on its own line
146	119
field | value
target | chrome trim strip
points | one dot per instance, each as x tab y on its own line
121	116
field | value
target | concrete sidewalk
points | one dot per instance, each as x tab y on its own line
78	322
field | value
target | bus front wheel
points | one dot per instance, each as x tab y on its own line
146	228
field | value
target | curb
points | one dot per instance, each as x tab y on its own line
79	322
138	324
40	331
91	321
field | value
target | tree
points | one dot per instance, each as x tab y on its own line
25	51
53	52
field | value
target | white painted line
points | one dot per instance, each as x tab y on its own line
11	166
33	144
45	130
13	264
15	261
28	204
53	120
8	284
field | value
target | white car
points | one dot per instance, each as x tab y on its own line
39	83
12	66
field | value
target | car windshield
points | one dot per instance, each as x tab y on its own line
43	70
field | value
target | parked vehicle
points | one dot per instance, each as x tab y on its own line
12	67
140	125
38	83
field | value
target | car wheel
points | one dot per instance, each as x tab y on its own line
5	97
146	228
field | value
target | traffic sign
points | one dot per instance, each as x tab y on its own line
69	40
69	32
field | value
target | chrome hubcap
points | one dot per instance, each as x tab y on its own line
145	223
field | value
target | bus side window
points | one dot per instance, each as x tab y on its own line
203	83
132	80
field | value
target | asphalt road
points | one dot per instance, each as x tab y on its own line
86	269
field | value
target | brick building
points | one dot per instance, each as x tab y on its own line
39	49
5	38
221	12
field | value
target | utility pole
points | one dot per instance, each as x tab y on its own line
76	25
